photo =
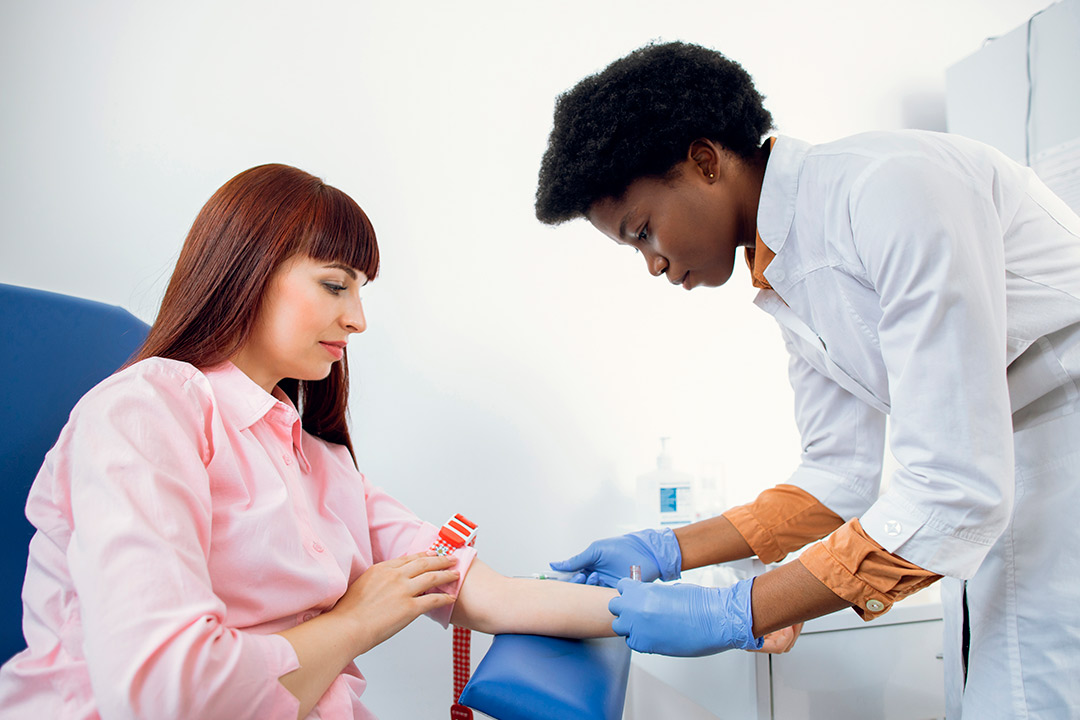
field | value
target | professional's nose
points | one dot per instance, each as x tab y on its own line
354	319
657	264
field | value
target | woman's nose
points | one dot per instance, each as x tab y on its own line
354	320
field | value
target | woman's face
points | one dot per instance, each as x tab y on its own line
310	309
689	226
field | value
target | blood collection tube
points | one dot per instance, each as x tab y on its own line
635	572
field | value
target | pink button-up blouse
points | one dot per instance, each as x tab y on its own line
182	518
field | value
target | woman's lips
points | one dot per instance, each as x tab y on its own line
335	349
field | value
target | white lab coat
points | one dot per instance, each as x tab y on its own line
929	278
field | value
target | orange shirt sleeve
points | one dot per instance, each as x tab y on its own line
782	519
862	572
786	518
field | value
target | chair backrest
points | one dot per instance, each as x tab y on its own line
53	348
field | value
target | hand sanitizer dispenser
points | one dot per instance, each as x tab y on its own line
665	496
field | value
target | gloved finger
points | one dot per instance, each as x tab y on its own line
626	584
615	605
578	562
621	625
578	578
593	579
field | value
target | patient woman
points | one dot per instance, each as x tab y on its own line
205	545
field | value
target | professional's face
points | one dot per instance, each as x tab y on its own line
308	313
688	226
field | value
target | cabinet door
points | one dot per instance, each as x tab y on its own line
889	672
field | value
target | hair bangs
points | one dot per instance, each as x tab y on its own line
341	232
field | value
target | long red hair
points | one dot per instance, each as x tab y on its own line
247	229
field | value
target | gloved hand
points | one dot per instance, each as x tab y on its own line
605	561
684	620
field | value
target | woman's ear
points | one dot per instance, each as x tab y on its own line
705	156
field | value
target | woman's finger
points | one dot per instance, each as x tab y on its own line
434	601
406	559
427	563
433	579
781	640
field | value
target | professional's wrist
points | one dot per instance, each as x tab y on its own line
738	608
670	555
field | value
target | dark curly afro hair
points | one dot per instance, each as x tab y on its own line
637	119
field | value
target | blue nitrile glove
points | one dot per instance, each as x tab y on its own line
683	619
606	561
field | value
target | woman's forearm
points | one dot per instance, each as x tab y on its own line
323	648
492	603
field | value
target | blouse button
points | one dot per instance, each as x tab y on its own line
893	528
875	605
307	616
287	459
317	547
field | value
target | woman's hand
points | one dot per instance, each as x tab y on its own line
781	641
390	595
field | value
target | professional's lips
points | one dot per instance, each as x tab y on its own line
673	279
337	349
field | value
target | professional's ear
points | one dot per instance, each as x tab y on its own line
705	155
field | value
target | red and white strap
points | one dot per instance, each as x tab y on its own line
456	533
462	670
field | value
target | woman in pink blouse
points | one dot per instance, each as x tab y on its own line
205	546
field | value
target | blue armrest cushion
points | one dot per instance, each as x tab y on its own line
530	677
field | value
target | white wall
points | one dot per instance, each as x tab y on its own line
513	372
1019	93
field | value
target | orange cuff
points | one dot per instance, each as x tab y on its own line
860	571
782	519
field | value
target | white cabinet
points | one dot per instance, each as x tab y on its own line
841	668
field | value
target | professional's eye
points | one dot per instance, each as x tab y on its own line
643	234
333	288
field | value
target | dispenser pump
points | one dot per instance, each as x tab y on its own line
663	460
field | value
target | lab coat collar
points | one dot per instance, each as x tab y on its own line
779	190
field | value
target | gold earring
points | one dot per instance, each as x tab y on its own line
711	176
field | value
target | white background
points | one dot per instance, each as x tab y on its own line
513	372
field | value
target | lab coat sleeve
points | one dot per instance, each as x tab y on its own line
930	242
155	636
842	440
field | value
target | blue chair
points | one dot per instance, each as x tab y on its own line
529	677
53	348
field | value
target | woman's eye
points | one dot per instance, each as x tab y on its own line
333	288
643	235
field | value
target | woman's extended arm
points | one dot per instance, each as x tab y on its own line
492	603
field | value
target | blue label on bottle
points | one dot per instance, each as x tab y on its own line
669	501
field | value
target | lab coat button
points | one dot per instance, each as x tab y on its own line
875	605
893	528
